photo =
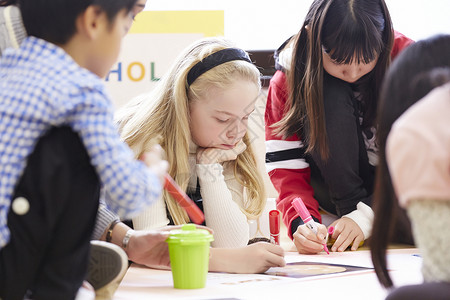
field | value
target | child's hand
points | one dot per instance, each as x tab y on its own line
346	232
254	258
215	155
149	247
307	242
153	160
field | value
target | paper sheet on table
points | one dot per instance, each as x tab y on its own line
397	258
143	283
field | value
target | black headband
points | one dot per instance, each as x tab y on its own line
215	59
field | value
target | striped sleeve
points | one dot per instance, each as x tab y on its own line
285	159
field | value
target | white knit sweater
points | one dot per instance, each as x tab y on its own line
222	197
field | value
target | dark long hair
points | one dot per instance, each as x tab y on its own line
417	70
347	29
54	21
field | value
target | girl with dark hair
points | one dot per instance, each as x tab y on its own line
414	163
320	118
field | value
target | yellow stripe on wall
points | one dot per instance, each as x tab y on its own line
208	22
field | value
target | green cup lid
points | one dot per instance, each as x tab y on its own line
189	234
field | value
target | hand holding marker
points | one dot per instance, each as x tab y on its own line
303	212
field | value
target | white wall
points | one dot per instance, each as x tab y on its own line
269	25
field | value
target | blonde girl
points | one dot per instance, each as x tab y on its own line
198	113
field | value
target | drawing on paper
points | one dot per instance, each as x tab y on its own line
305	269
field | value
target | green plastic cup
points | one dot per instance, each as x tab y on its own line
189	256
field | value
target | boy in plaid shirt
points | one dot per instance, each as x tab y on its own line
59	145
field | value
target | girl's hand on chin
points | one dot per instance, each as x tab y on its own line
215	155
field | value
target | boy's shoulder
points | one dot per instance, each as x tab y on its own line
49	66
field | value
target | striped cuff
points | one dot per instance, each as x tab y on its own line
104	218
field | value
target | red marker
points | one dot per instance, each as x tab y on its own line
274	222
194	213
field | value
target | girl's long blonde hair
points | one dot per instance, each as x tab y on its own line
162	116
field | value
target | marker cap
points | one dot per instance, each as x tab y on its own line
274	221
331	230
301	209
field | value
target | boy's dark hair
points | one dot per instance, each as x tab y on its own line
8	2
54	20
418	69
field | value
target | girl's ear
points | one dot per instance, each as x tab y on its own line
91	22
307	27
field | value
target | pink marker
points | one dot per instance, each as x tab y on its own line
303	212
329	234
330	230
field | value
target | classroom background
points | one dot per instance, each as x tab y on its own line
265	24
166	27
158	36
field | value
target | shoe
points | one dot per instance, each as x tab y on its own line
85	292
107	263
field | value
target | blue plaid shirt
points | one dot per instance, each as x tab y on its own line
40	87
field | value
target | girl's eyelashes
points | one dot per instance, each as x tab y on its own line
336	62
221	120
225	120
